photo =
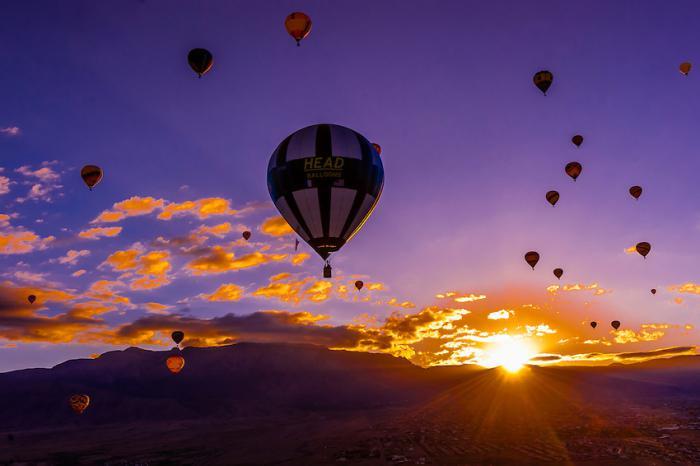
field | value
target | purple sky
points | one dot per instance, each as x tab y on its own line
470	146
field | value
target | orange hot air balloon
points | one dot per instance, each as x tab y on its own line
377	147
91	175
594	324
558	273
79	403
543	79
653	291
684	68
298	26
636	191
200	60
359	284
577	140
246	235
532	258
643	248
615	324
552	197
573	169
175	364
31	298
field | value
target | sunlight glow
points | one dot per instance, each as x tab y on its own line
511	354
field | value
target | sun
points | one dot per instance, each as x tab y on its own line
511	354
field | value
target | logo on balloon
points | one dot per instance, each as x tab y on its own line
323	167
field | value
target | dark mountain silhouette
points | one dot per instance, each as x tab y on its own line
303	404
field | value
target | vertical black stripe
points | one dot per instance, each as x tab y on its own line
361	190
324	148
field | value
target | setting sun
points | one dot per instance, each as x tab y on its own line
511	354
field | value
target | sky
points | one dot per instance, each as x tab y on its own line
469	147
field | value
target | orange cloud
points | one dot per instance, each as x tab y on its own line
156	308
97	233
690	287
132	207
502	314
219	260
201	208
219	230
597	290
17	240
153	267
226	292
298	259
72	256
276	226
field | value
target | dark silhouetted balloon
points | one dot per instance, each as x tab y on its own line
615	324
296	244
543	79
558	273
200	60
246	235
552	197
31	298
79	403
532	258
573	169
594	324
298	25
684	68
643	248
178	336
325	181
653	291
577	140
359	284
91	175
636	191
175	363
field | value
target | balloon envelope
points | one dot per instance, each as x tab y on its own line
91	175
532	257
31	298
577	140
178	336
643	248
543	79
552	197
594	324
636	191
175	364
558	272
325	180
298	25
246	235
685	68
615	324
79	402
653	291
573	169
200	60
359	284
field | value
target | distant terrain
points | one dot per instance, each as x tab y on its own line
301	404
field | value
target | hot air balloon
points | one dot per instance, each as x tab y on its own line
325	181
178	336
296	244
577	140
684	68
543	79
552	197
359	284
653	291
636	191
558	273
298	26
91	175
643	248
377	147
79	403
594	324
573	169
31	298
175	364
200	60
532	258
246	235
615	324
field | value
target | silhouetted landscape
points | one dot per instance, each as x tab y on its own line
302	404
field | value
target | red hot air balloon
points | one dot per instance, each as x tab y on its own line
359	284
653	291
298	25
175	364
246	235
573	169
552	197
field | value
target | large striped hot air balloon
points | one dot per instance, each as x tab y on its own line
325	181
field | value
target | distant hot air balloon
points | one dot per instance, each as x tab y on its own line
91	175
543	79
684	68
296	244
594	324
31	298
558	273
577	140
532	258
178	336
573	169
377	147
246	235
175	364
359	284
653	291
79	403
200	60
298	26
643	248
615	324
552	197
325	181
636	191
